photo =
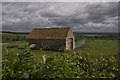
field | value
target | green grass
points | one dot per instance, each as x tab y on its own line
15	49
92	48
100	47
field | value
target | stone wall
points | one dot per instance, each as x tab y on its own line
70	35
52	44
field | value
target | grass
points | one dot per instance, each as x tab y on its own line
100	47
10	37
92	48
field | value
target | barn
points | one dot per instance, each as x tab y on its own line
52	38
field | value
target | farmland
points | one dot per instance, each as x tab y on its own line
97	58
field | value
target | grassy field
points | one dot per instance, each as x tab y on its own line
92	48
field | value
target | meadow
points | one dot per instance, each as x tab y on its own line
97	58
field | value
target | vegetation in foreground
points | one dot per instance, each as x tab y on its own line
96	59
22	65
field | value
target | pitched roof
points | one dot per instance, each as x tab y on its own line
49	33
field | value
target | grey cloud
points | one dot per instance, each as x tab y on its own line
99	11
81	16
50	15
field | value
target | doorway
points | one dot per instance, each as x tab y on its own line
71	43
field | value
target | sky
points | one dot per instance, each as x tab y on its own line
80	16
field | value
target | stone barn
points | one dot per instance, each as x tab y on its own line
52	38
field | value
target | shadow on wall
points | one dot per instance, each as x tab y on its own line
79	43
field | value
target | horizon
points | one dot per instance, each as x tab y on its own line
73	32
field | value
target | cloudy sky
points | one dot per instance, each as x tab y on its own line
81	16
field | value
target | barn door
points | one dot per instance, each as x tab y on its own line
71	43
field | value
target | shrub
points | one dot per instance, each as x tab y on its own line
17	65
64	65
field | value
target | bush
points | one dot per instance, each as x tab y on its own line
76	66
17	65
64	65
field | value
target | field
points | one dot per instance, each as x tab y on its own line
97	58
91	48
